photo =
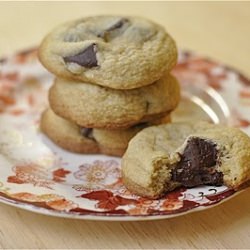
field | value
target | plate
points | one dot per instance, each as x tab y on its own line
37	175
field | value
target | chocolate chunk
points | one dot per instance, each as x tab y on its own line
213	179
88	133
86	58
197	164
115	26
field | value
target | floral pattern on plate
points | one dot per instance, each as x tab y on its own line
39	176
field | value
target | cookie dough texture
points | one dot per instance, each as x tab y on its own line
111	51
154	152
89	141
94	106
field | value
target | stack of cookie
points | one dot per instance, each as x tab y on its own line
112	80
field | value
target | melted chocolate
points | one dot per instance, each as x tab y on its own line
197	164
115	26
88	133
86	58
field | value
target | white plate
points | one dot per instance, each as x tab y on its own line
39	176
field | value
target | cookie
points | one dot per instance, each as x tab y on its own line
161	158
94	106
111	51
89	141
67	134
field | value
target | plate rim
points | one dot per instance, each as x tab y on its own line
112	217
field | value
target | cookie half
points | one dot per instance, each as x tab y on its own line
161	158
112	51
94	106
89	141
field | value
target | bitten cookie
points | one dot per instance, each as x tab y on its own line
90	141
94	106
161	158
112	51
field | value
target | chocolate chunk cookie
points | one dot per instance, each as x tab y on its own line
111	51
87	140
161	158
95	106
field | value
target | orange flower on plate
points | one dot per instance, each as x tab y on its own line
98	175
36	175
25	196
62	205
144	206
54	201
32	174
60	174
107	200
